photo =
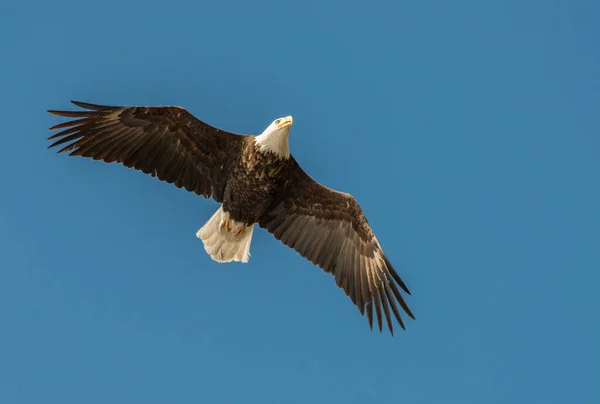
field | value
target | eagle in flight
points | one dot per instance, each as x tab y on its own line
257	182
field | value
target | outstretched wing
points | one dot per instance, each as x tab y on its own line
330	230
167	142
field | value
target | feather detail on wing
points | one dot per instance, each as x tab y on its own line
329	229
167	142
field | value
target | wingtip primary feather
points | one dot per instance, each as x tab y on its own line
95	107
386	309
71	114
395	275
369	310
378	312
89	110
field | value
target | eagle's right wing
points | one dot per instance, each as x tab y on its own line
329	229
167	142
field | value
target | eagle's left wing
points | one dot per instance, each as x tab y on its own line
329	229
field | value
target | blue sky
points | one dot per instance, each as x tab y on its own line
467	130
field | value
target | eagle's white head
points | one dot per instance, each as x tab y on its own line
274	139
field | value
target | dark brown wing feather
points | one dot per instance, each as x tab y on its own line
167	142
330	230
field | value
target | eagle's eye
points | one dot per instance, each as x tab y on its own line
277	121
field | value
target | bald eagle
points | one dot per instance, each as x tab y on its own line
256	180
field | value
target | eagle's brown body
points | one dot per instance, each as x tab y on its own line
253	183
257	181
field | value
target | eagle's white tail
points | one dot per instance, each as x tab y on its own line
222	245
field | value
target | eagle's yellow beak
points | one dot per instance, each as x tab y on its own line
284	122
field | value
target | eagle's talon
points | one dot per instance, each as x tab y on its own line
239	231
227	223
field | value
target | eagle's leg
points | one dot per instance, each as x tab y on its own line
227	223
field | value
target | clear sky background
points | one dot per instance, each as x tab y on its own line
467	130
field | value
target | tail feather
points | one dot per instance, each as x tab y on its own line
222	245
